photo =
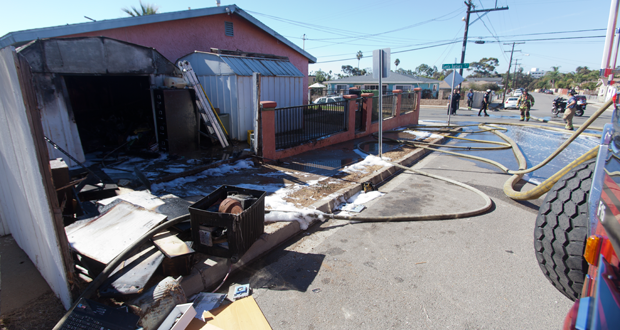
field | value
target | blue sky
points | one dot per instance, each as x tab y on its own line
337	30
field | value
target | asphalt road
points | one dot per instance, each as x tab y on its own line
541	109
472	273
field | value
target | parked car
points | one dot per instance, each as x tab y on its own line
511	102
328	99
517	92
548	91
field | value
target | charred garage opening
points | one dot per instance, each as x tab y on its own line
97	94
111	111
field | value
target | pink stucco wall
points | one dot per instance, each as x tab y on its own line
177	38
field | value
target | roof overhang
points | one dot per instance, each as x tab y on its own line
19	38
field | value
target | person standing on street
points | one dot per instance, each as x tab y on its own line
569	112
525	103
456	98
485	103
470	99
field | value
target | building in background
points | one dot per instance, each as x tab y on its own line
430	87
536	73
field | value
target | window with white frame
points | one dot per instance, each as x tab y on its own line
404	87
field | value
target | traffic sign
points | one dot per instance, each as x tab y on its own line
454	79
455	66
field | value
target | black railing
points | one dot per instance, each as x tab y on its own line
408	102
302	124
389	106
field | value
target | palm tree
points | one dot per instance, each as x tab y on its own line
359	56
147	9
397	62
553	75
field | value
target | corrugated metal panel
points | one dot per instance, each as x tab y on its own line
222	91
205	64
25	205
282	68
256	66
246	66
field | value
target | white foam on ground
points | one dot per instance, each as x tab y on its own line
369	160
421	135
216	171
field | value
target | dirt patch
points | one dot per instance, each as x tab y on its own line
308	196
40	314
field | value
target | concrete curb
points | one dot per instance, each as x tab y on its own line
209	272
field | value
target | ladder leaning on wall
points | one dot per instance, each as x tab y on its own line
207	113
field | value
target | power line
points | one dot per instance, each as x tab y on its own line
541	33
547	39
350	34
402	51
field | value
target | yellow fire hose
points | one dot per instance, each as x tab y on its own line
518	174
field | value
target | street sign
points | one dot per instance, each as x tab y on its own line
381	63
453	79
455	66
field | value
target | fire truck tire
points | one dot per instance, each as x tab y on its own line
562	227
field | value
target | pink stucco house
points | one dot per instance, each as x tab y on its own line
179	33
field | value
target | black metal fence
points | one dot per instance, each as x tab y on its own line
408	102
301	124
389	106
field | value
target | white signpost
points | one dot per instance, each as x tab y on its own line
381	69
453	79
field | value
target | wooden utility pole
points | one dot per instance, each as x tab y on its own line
508	72
469	11
515	78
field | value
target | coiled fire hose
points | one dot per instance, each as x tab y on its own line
508	185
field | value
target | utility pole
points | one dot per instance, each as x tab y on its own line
469	11
508	72
515	78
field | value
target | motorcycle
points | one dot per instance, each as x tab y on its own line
580	107
559	106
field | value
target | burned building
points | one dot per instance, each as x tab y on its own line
96	92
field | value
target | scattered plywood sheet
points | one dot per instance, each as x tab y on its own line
107	235
170	245
142	198
243	314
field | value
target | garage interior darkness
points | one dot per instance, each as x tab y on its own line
112	110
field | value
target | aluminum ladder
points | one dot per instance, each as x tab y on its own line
206	112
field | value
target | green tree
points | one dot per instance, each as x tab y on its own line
322	76
484	68
349	70
147	9
425	70
397	62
